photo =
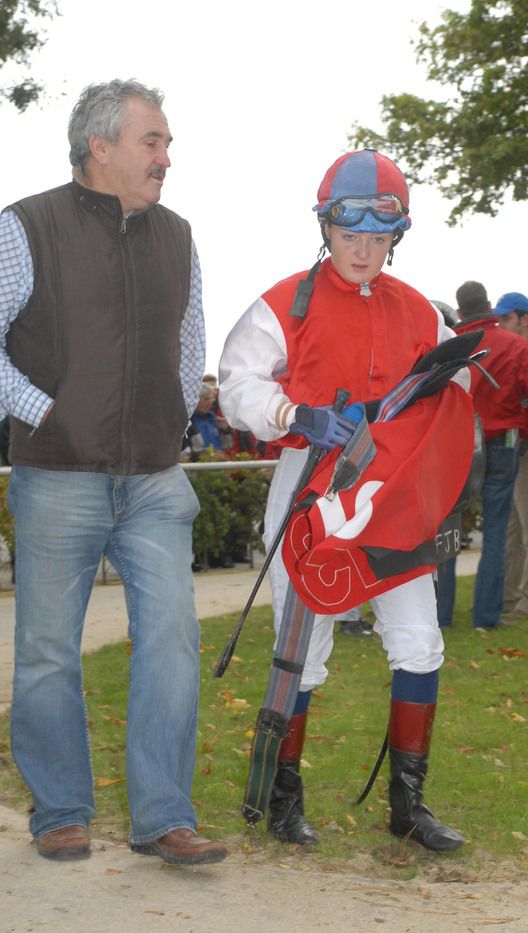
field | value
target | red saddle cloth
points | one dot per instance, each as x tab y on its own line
421	464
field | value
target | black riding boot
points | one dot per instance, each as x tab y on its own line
286	809
410	728
408	814
286	806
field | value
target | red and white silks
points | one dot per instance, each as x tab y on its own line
397	504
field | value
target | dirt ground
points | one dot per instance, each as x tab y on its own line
248	893
244	894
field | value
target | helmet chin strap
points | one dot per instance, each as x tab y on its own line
398	235
326	240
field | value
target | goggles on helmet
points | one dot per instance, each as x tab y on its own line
348	212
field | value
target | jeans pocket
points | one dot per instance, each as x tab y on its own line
502	463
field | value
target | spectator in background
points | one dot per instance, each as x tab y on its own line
203	434
236	441
512	314
503	414
211	380
203	430
224	429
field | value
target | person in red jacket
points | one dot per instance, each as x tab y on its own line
347	324
503	414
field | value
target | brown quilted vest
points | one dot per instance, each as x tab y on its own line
101	333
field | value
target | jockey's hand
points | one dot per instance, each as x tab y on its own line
322	426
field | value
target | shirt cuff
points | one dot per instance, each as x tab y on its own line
32	406
285	415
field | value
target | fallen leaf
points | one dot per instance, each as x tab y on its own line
106	782
226	694
512	652
237	704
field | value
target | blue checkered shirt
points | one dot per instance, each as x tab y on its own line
18	396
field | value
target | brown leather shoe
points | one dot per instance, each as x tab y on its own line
182	847
65	844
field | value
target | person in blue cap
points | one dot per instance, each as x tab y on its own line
512	312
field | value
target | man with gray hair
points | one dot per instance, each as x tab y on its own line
102	339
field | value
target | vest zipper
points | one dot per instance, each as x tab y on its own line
128	375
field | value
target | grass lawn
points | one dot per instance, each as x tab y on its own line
478	780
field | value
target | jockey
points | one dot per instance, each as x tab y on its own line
346	324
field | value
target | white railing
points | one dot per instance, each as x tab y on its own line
211	465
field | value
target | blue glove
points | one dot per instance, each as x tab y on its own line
322	426
354	413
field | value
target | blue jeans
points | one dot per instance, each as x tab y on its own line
497	496
65	521
446	592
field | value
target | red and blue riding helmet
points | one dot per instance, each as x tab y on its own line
364	190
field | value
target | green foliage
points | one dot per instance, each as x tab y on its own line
478	765
474	146
18	39
232	504
7	524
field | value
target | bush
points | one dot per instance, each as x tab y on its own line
7	523
232	504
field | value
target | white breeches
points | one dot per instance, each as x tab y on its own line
406	618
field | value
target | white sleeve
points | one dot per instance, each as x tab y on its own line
463	376
253	358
